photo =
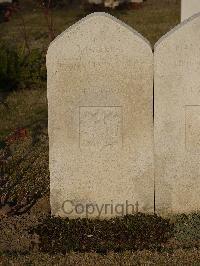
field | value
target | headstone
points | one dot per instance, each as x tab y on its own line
111	3
189	8
5	1
177	118
100	87
96	2
136	1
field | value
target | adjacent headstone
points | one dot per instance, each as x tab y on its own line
177	118
6	1
116	3
136	1
100	87
112	3
189	8
95	2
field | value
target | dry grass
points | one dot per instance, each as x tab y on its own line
26	108
153	20
177	258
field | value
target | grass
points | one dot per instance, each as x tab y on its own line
177	258
153	20
27	108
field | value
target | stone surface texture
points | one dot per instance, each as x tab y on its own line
189	8
100	104
177	118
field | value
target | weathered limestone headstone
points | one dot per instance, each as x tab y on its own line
189	8
177	118
100	99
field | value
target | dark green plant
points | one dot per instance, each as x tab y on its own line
32	69
9	68
187	230
19	71
131	232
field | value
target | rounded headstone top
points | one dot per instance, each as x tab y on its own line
177	29
100	22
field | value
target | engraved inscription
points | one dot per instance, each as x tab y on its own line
100	127
192	128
